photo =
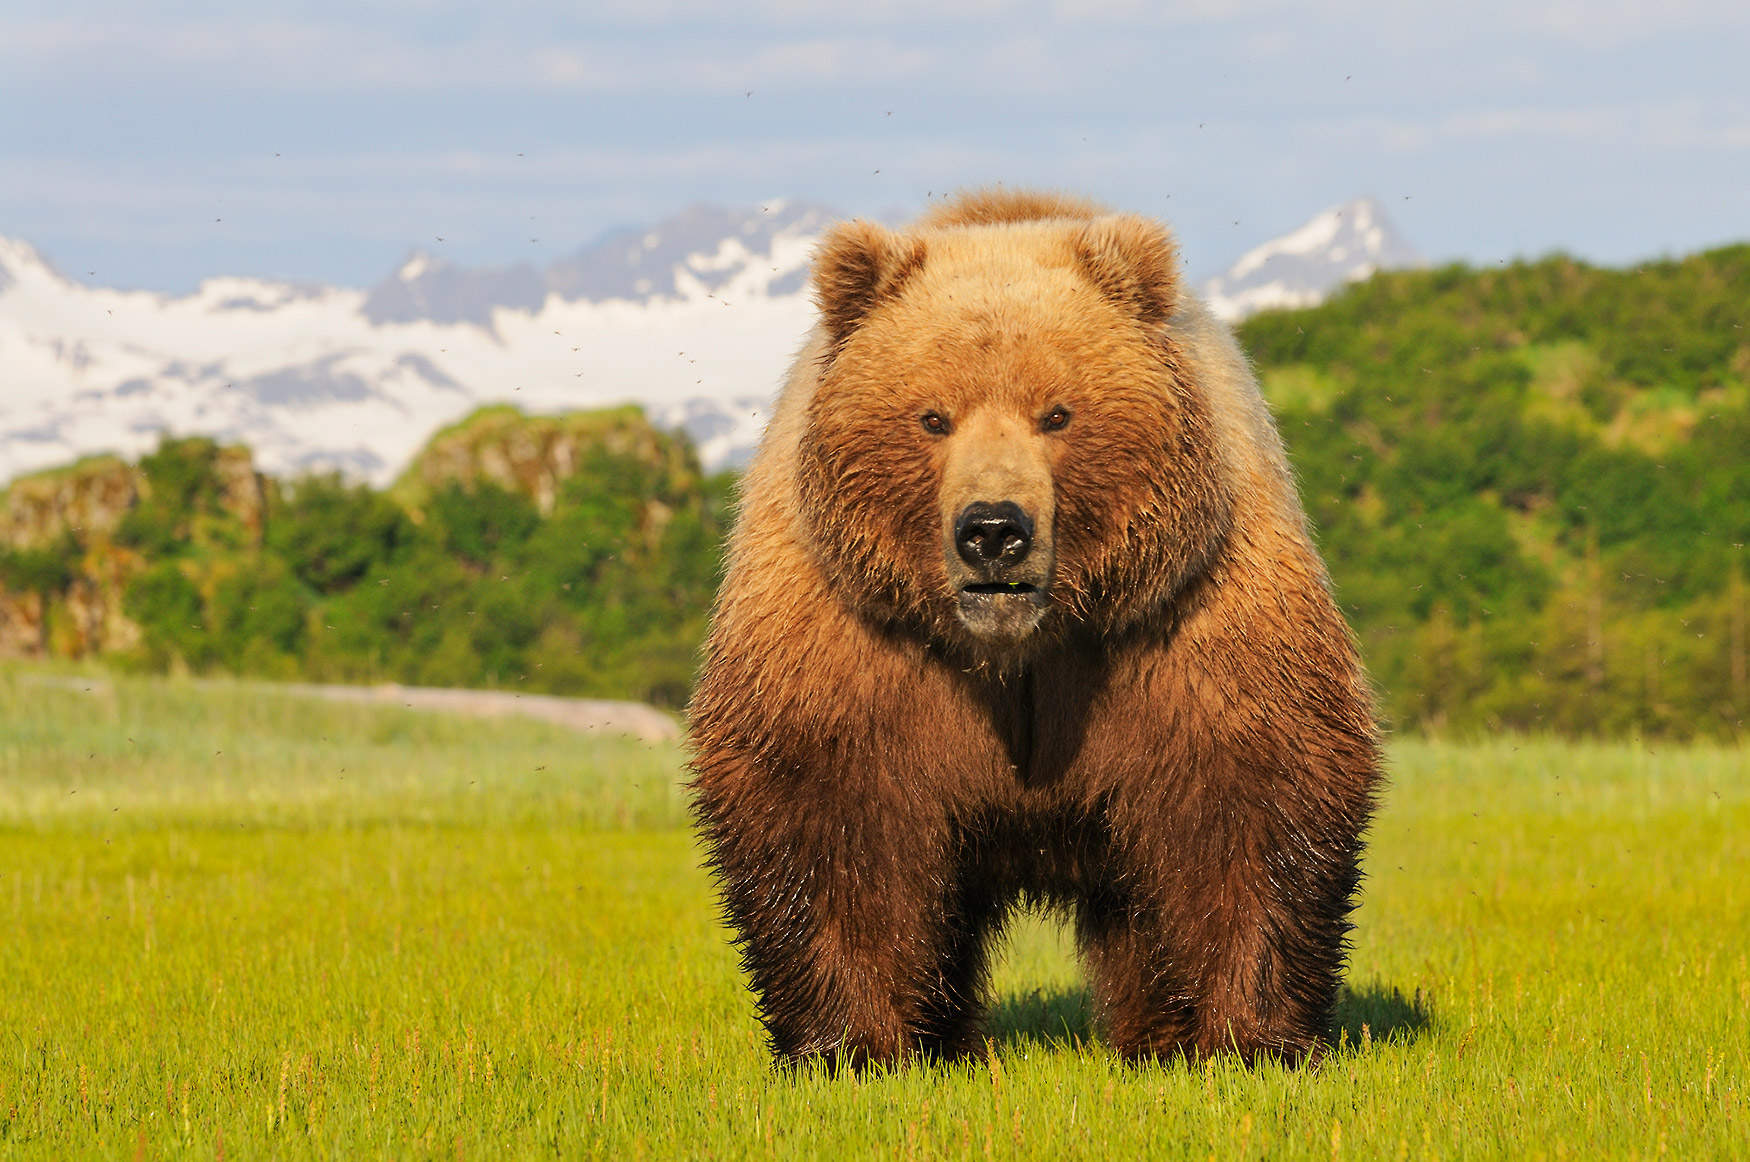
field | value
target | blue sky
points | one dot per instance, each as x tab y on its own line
158	143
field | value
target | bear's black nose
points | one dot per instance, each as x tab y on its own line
993	534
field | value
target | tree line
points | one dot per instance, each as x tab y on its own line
1530	483
464	581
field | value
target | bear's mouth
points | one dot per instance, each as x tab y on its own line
1002	611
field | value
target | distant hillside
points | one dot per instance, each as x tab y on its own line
1533	487
574	554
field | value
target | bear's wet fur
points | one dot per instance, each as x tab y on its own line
1021	607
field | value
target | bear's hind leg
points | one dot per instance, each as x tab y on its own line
951	1016
1142	1003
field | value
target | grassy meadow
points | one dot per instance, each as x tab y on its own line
236	923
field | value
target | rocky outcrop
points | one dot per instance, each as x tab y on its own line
86	499
242	490
21	624
74	540
535	455
64	566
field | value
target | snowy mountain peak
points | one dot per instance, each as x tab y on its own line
694	318
698	253
19	261
1345	243
416	265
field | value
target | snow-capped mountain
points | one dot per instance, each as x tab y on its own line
696	253
695	318
1343	244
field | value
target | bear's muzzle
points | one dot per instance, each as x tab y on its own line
1001	581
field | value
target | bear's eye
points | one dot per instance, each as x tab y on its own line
935	423
1055	419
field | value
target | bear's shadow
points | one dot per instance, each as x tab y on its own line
1063	1018
1374	1012
1056	1018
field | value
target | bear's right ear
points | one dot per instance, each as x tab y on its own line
858	266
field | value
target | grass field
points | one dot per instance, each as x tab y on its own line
240	924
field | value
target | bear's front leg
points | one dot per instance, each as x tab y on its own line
1232	935
844	912
1267	979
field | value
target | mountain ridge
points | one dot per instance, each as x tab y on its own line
694	318
1339	245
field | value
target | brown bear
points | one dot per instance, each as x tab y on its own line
1021	607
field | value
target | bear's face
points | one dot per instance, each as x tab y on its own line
1003	444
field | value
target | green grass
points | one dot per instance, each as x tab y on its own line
218	946
82	750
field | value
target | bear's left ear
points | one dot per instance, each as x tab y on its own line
1134	263
858	266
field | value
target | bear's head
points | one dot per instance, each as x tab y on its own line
1005	443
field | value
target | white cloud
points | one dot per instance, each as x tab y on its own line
1628	127
246	53
692	45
